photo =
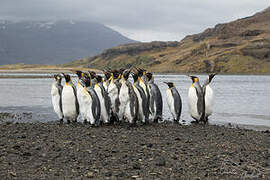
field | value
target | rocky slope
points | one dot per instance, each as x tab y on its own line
241	46
54	42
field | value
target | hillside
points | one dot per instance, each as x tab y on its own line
241	46
54	42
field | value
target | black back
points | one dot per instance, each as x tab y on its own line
177	106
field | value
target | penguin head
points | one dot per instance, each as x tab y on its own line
135	77
194	79
92	74
170	84
57	78
107	74
140	71
126	74
87	80
211	76
67	77
115	74
98	78
80	74
149	76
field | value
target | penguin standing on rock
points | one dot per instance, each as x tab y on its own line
93	106
155	100
128	100
113	92
70	104
81	96
196	100
143	108
56	93
208	96
174	101
105	104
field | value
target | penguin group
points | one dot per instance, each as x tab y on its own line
125	95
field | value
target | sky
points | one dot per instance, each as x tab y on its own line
141	20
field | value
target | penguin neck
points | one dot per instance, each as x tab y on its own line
58	83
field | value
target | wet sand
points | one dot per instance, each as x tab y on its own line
155	151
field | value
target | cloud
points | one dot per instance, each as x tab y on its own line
144	20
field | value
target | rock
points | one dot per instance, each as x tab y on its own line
149	145
108	173
26	154
136	166
90	175
160	161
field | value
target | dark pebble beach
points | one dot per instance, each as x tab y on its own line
154	151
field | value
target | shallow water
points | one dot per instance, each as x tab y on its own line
239	99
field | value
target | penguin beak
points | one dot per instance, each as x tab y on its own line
166	83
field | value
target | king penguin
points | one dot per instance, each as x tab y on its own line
143	109
113	92
105	105
196	100
208	96
128	109
81	95
155	100
56	93
70	104
174	101
93	108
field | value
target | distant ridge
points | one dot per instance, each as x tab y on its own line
241	46
54	42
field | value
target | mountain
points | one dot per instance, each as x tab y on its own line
241	46
54	42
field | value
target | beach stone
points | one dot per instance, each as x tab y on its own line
90	175
160	161
136	166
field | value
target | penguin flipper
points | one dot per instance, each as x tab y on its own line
76	99
177	106
95	105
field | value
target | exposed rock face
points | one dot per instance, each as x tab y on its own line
135	48
241	46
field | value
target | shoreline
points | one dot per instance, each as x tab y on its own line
154	151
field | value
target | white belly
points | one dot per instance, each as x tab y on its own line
170	102
192	103
68	103
88	101
209	100
113	94
124	101
82	100
56	101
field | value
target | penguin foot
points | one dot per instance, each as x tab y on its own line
68	121
61	121
175	121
